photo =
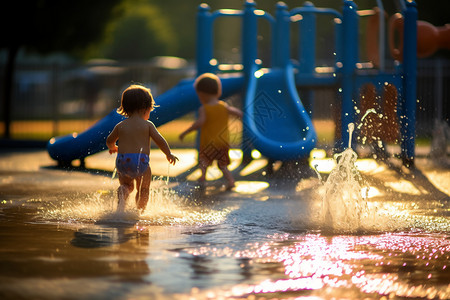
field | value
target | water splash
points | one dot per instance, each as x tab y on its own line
343	205
165	207
364	138
370	110
351	128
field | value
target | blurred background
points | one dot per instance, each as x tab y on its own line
64	64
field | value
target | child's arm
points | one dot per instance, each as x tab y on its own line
112	139
234	111
162	144
197	124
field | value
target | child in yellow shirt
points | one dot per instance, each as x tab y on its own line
213	124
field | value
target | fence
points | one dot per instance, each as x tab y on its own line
52	100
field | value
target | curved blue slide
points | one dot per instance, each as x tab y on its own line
275	120
173	104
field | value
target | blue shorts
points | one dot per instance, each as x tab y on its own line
132	164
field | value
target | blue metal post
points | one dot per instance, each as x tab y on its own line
350	58
204	39
307	32
282	38
249	37
408	104
338	43
307	50
249	55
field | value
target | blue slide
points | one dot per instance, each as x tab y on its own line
275	120
173	104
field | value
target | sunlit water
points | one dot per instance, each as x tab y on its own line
165	207
327	238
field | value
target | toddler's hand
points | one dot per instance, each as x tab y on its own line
172	159
113	150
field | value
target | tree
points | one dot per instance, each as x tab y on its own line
46	26
141	33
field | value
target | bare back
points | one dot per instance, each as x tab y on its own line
134	135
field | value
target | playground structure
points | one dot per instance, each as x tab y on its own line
275	121
274	91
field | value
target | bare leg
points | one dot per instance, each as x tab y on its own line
143	189
203	176
124	190
228	176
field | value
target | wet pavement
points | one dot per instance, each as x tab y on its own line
267	238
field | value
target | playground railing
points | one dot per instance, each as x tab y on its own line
206	62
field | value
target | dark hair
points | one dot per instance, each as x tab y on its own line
135	98
207	83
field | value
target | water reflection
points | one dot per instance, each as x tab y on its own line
394	265
103	236
262	239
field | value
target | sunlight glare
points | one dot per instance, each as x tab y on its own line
251	187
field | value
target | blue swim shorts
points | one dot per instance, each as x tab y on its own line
132	164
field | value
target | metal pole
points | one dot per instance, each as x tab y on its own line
308	51
204	39
408	119
382	38
282	45
249	55
350	58
249	37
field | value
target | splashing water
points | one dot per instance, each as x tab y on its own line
371	110
344	200
351	128
165	207
343	205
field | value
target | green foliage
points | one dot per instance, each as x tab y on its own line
140	29
141	33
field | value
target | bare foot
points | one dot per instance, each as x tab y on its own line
230	185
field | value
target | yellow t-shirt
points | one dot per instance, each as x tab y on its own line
214	132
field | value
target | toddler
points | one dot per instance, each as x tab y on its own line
134	135
213	124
